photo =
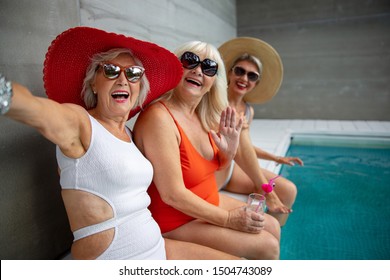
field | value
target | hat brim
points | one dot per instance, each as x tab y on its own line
272	73
70	54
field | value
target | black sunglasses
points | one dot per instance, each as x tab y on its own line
112	71
252	76
190	60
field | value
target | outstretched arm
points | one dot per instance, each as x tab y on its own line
280	160
261	154
58	123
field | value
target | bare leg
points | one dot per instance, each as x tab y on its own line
180	250
285	189
271	224
240	182
264	245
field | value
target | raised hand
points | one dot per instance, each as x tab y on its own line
227	138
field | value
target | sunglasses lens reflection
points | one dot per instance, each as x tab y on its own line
190	60
239	71
111	71
252	76
133	73
209	67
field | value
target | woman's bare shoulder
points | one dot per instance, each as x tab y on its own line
154	116
155	113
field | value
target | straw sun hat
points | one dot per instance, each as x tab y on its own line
272	74
69	56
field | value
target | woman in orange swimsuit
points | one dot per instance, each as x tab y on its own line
178	136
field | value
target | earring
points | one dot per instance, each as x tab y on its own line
93	90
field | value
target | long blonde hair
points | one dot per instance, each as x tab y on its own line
215	101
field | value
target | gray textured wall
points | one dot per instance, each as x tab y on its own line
336	56
33	222
165	22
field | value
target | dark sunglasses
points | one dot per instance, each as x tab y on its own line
252	76
190	60
132	73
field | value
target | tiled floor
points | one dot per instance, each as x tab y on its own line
274	135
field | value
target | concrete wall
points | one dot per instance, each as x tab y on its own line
33	222
168	23
336	56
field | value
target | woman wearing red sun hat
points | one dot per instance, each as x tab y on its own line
95	82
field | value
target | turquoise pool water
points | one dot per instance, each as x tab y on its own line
342	211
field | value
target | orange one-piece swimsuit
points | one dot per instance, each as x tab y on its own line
199	178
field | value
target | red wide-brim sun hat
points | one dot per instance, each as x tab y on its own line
70	54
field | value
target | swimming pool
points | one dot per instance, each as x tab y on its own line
342	211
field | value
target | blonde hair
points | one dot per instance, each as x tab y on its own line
215	101
90	99
250	58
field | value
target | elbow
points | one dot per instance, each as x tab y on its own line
169	198
178	198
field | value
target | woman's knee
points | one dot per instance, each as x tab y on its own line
292	188
272	225
287	192
270	250
273	249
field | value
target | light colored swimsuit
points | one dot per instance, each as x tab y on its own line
118	173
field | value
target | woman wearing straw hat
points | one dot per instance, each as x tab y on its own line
95	82
255	73
178	136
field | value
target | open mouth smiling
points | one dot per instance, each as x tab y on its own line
120	95
194	82
241	85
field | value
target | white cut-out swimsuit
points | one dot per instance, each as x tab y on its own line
118	173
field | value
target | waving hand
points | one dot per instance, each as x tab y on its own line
227	138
